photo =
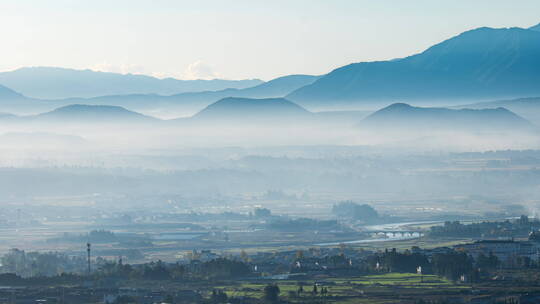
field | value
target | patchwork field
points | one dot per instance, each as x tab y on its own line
366	289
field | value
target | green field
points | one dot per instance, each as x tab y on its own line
365	289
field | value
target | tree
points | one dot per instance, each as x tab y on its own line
224	268
244	256
356	211
219	296
169	299
395	261
262	212
271	293
487	262
452	265
523	220
156	271
342	248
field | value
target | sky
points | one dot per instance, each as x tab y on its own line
237	39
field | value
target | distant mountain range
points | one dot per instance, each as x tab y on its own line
230	110
277	112
58	83
10	101
401	117
480	64
278	87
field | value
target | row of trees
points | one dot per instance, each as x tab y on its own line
30	264
46	273
271	292
394	261
215	269
519	227
453	265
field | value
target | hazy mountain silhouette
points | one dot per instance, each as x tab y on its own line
7	115
484	63
236	109
7	94
277	87
56	83
91	113
529	108
11	101
403	117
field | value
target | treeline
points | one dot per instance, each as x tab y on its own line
516	228
452	265
219	268
394	261
12	279
35	264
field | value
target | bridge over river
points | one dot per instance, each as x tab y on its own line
396	233
387	232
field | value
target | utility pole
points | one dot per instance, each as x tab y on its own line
88	252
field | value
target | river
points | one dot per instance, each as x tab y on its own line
387	238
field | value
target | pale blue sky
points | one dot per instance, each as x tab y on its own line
237	39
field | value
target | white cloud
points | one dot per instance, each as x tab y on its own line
196	70
200	70
122	69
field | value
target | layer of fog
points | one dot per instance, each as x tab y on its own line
34	138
